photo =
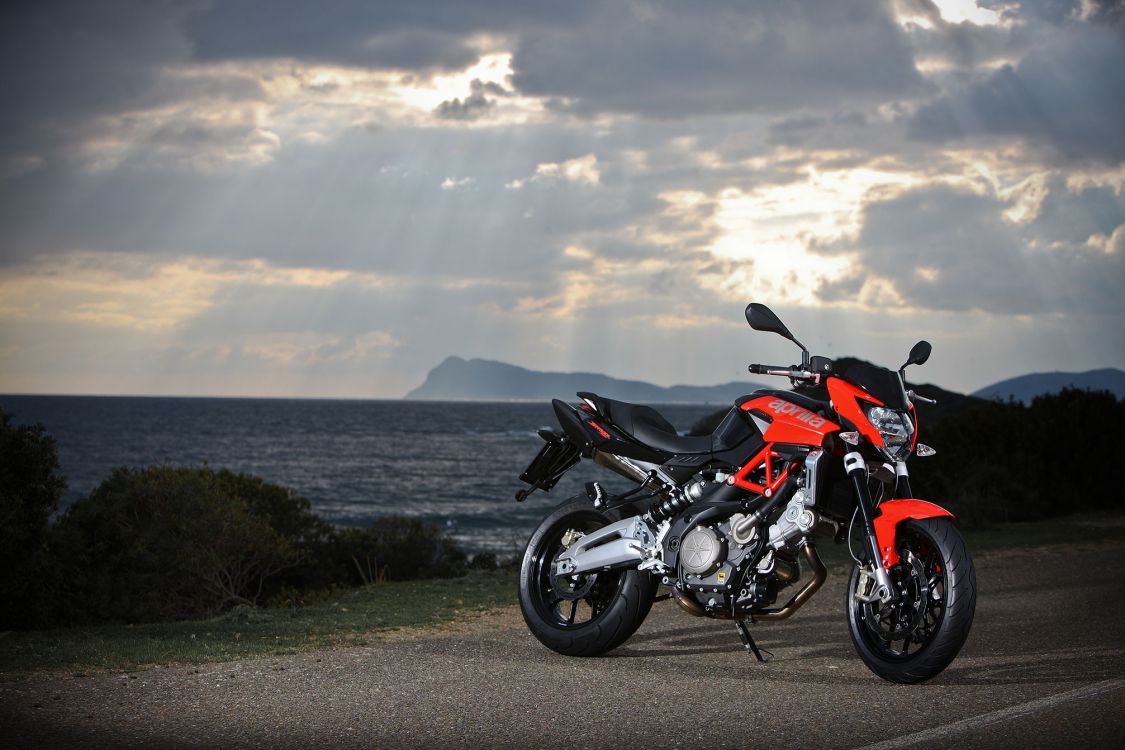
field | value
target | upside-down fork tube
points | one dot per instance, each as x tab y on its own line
819	574
856	467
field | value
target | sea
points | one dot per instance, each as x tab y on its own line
455	465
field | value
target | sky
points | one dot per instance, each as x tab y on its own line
285	198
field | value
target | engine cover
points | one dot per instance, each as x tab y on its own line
701	551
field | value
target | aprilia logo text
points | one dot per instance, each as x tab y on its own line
802	415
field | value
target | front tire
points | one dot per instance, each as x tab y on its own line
588	616
918	634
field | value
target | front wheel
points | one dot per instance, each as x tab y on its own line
917	634
587	614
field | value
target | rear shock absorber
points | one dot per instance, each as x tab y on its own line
672	498
676	501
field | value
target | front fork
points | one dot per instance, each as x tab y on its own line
856	467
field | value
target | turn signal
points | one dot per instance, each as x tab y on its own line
924	450
851	438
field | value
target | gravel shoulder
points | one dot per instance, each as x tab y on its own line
1043	667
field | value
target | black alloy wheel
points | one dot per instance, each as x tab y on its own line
584	615
916	635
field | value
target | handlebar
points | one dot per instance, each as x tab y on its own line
794	372
915	397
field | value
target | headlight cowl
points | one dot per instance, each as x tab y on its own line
895	427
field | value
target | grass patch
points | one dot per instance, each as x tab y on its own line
352	618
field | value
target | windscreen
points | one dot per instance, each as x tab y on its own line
883	384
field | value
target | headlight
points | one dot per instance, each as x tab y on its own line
896	428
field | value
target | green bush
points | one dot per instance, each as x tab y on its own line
163	543
29	493
166	543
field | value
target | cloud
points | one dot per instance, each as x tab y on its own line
397	34
1065	97
910	253
475	105
670	59
581	169
126	291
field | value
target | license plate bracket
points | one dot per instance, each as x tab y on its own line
553	460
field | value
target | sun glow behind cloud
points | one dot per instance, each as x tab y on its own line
771	229
960	11
243	115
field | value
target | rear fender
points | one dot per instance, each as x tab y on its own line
894	512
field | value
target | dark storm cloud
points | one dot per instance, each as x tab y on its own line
1066	96
63	63
1074	216
947	249
966	44
65	67
403	34
673	59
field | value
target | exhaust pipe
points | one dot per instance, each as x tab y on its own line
688	603
806	592
820	573
622	466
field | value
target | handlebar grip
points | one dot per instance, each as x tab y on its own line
755	369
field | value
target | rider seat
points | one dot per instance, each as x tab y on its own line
648	426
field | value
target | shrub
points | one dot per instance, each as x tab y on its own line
1008	462
397	548
484	561
29	493
164	543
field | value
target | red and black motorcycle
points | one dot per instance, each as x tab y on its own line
727	519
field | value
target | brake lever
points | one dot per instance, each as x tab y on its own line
915	397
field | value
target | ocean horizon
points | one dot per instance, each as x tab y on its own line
453	464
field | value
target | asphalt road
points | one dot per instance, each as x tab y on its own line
1044	667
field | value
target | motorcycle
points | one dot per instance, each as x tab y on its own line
725	520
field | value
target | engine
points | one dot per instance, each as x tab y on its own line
736	566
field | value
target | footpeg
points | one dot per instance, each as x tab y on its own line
596	493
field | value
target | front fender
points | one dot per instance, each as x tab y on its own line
894	512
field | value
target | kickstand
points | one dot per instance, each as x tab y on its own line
748	641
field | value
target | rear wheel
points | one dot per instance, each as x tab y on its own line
917	634
584	615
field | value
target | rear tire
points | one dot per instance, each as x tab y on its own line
592	615
931	618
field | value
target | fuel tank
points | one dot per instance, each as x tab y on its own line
792	418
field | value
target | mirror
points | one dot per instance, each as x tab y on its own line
919	353
761	318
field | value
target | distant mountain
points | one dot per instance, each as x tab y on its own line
1026	387
457	379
